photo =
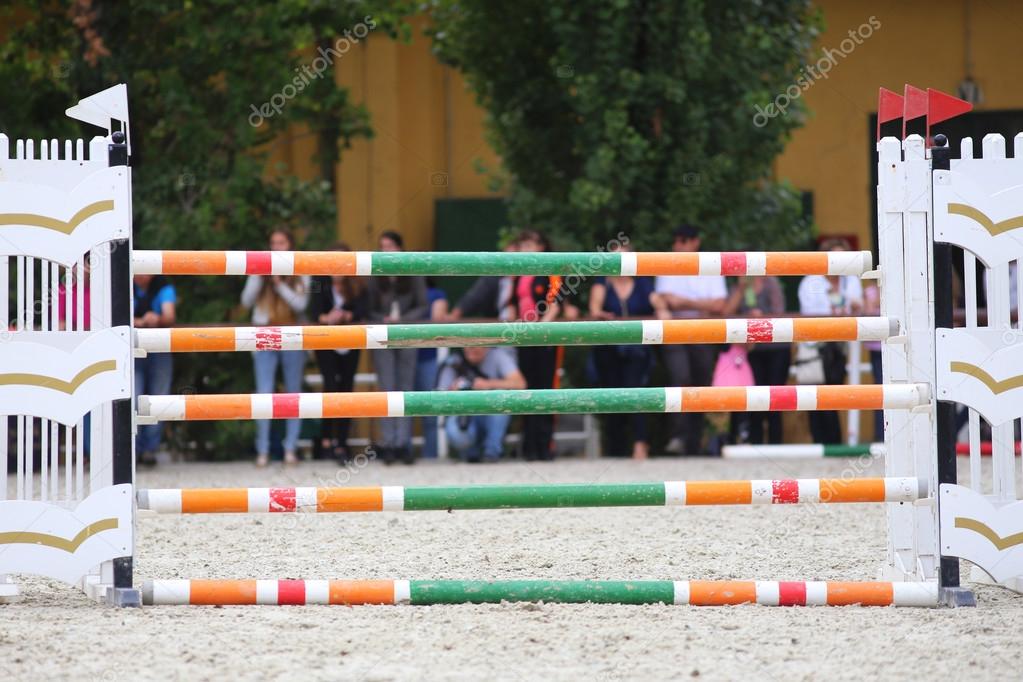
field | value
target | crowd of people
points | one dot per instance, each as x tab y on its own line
517	300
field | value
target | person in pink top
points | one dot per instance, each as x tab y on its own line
62	302
537	299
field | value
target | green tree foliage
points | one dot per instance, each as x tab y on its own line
202	179
636	116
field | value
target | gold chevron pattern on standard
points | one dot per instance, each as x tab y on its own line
996	387
68	387
47	223
1000	543
978	216
71	546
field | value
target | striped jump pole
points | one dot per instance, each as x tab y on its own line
581	264
765	330
525	496
801	450
545	401
985	448
429	592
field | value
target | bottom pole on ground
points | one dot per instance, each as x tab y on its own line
800	450
427	592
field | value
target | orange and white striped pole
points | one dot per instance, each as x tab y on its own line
429	592
612	332
528	496
550	401
365	263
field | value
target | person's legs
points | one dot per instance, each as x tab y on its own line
609	373
833	426
759	362
779	361
347	365
875	366
328	361
825	427
770	367
406	381
537	366
676	364
426	380
616	427
463	440
385	366
159	376
702	358
544	423
265	365
493	427
293	369
141	441
636	373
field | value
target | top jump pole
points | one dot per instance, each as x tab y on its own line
581	264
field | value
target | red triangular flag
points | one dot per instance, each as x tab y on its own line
889	107
916	103
941	107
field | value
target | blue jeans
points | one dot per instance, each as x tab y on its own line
292	364
426	380
153	375
482	430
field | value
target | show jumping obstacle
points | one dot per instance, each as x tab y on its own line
398	498
82	532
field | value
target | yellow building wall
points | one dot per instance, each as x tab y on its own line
428	132
921	42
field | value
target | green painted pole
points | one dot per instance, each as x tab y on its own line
516	334
534	496
846	450
424	592
541	401
581	264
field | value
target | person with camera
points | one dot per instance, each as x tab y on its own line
479	438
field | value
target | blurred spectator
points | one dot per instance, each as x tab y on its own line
393	300
277	301
872	306
830	295
490	296
761	297
426	365
73	283
625	366
481	437
155	305
536	299
337	300
690	364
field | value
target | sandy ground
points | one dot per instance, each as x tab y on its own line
55	633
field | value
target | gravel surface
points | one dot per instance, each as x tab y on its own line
55	633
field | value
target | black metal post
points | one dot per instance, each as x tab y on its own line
120	315
943	318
